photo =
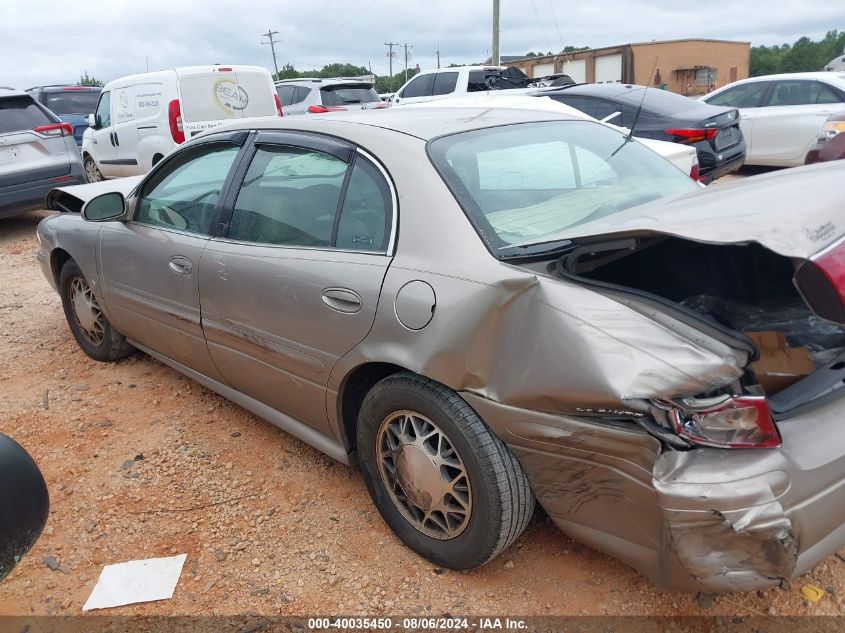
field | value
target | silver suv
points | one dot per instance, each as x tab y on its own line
315	96
37	153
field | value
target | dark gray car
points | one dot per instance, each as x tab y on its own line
37	153
486	307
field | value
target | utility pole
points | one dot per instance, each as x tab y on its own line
269	35
406	46
438	54
496	58
390	56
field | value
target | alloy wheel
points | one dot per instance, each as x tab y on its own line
426	478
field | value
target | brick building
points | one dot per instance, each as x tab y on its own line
688	66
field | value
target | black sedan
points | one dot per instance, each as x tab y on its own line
666	116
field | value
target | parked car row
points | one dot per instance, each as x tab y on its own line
563	319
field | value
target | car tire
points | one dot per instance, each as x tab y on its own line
443	446
92	172
88	323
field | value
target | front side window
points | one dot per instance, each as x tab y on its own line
748	95
183	194
419	87
104	110
533	183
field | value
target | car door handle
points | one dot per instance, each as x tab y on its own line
342	300
180	265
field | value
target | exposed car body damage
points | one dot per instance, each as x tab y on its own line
565	372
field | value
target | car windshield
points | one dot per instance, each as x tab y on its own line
73	101
534	183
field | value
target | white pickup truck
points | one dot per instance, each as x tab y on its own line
460	81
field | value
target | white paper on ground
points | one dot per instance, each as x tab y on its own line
136	581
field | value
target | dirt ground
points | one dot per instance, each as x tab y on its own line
142	462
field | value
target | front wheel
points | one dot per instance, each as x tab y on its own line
88	323
444	483
92	172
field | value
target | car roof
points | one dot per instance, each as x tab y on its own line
422	123
58	87
821	74
606	90
5	91
454	68
323	82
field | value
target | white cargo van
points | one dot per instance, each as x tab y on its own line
140	118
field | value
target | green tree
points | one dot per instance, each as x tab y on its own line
803	55
85	80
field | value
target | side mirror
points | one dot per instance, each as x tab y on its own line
92	120
24	503
105	207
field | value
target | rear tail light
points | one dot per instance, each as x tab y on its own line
174	116
381	105
821	281
692	135
54	129
694	173
278	105
730	422
319	109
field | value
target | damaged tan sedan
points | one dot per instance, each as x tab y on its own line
482	308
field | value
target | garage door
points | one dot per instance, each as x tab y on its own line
541	70
609	69
577	69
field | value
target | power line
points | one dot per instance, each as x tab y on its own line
557	27
269	35
540	23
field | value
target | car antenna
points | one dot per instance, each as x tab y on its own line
630	134
640	107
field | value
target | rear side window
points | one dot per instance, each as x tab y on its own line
286	94
445	83
301	94
419	87
21	113
289	197
72	101
476	82
830	95
366	214
794	93
345	95
748	95
584	104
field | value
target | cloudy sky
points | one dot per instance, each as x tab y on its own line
54	42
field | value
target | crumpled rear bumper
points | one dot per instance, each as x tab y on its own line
701	520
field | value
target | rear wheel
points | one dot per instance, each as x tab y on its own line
87	322
92	172
445	484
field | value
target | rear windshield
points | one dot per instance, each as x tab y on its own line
21	113
659	101
343	95
534	183
73	101
212	96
